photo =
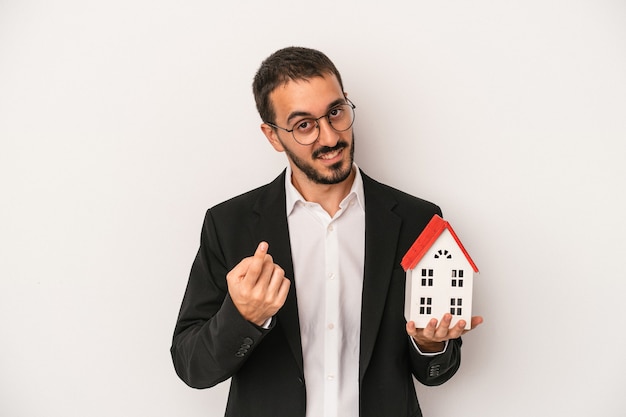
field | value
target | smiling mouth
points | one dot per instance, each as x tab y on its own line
327	153
330	155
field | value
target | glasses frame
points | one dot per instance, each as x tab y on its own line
317	123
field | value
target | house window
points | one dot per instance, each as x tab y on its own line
455	306
427	280
426	305
457	277
443	254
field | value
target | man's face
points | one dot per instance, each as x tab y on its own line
329	159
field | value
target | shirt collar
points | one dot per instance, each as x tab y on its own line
294	196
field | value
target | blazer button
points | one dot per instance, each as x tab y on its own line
245	346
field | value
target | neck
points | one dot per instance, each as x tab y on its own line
329	196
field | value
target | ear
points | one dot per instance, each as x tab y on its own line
272	137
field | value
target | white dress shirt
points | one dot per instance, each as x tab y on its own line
328	257
329	290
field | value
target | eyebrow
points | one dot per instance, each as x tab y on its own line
296	113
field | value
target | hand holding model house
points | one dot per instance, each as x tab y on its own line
439	280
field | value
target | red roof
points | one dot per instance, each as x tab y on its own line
425	240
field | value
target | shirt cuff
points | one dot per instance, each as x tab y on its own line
267	323
445	347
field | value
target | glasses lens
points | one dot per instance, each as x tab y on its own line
340	118
306	131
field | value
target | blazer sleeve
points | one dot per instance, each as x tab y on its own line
437	369
211	339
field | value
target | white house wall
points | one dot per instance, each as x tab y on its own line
441	292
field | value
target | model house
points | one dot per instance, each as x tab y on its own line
439	276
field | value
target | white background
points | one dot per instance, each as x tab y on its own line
121	121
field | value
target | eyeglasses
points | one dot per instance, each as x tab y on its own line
307	131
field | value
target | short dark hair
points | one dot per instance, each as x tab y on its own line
288	64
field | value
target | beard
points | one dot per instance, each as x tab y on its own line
338	173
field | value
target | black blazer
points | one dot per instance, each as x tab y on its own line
212	342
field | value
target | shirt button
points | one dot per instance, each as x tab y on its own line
330	377
330	228
331	276
331	326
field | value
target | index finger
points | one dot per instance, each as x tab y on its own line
257	262
261	250
241	269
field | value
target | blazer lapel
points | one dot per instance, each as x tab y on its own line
273	229
381	237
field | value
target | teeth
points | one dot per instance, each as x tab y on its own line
330	155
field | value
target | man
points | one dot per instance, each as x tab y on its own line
317	327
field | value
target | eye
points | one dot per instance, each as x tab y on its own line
336	113
305	125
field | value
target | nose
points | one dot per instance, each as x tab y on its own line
327	135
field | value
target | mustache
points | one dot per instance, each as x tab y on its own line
325	149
